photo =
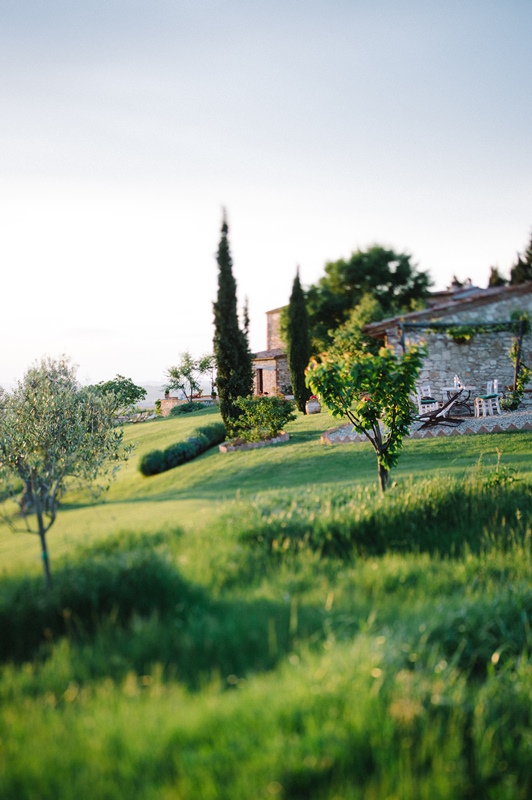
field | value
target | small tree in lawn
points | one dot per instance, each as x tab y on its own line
54	435
298	340
186	375
231	349
126	393
373	392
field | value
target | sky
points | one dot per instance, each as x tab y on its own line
320	126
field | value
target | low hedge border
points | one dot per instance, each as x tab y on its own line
202	439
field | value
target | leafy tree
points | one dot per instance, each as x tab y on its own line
350	336
373	392
53	435
186	375
388	276
126	393
231	349
298	339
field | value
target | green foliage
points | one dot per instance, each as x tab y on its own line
186	375
203	438
53	433
522	373
496	279
126	393
262	417
448	517
373	392
231	349
298	339
384	274
186	408
349	337
521	272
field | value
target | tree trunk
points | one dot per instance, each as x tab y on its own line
44	548
384	477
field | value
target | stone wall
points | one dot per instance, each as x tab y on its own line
275	375
481	359
273	327
168	403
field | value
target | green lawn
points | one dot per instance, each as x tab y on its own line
263	624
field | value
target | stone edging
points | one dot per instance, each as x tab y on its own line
233	448
514	421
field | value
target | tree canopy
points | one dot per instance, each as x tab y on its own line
53	434
186	375
387	276
372	390
126	393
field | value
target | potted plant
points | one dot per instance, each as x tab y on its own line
313	405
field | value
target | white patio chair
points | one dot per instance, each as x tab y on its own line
424	399
488	404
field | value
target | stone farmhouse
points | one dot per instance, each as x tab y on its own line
271	372
480	355
477	358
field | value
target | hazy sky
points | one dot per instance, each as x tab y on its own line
320	125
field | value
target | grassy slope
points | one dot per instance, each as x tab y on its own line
369	679
192	496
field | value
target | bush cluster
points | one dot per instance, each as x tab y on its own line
202	439
262	417
186	408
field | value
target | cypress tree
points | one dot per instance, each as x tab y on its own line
231	349
298	340
522	270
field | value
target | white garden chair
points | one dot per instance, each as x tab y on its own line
488	404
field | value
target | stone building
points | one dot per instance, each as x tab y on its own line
476	358
271	372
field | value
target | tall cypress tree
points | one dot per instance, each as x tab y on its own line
298	340
231	349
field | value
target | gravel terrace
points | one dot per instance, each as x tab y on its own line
507	421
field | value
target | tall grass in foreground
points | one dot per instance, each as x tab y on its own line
448	516
343	645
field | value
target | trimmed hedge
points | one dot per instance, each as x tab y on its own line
202	439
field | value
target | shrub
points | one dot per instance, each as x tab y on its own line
186	408
152	463
262	417
179	453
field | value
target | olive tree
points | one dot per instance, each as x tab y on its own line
54	435
373	392
186	375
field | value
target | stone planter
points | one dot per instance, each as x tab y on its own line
312	407
233	448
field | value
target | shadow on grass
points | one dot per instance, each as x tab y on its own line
123	606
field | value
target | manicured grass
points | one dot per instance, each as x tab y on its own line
263	624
